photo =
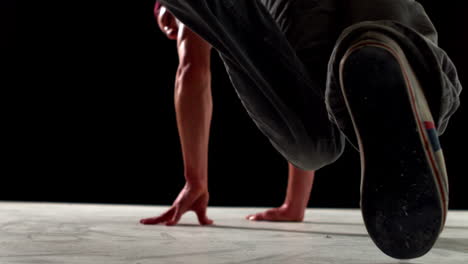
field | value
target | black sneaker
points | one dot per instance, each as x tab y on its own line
404	186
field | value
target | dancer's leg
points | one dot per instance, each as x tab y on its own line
270	79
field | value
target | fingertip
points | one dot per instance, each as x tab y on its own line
203	219
207	222
171	223
147	221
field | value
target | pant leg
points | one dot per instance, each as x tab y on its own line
407	23
269	78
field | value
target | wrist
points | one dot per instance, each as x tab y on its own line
292	212
293	208
197	183
196	176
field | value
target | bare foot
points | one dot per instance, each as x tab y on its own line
282	213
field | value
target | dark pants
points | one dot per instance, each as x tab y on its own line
282	57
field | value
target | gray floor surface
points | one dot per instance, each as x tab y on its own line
111	234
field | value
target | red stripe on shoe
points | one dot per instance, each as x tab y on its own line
429	125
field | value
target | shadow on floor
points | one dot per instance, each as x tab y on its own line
453	244
361	224
279	230
331	223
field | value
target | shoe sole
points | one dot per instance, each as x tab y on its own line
403	187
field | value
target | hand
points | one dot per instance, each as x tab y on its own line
189	199
295	203
283	213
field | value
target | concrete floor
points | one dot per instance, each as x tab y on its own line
76	233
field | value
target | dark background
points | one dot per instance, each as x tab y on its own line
91	118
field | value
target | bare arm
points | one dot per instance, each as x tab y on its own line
194	107
193	104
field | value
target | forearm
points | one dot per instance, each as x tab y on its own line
299	187
194	107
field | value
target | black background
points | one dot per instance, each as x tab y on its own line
91	117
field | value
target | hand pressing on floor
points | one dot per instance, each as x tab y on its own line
283	213
297	196
189	199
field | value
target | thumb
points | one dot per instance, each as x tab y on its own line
176	218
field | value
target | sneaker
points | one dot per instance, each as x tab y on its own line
404	186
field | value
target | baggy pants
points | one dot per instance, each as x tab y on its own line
282	57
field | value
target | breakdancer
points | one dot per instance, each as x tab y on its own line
313	73
194	109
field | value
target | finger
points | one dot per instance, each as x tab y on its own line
270	215
158	219
203	218
250	217
175	218
256	217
